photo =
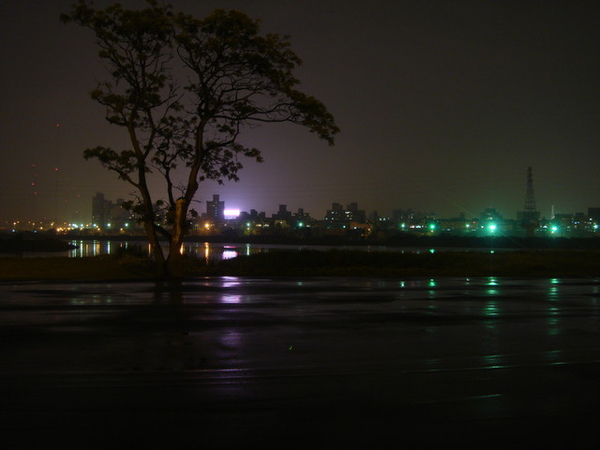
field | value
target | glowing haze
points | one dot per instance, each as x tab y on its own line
231	213
442	105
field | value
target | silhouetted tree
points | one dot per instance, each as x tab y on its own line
183	88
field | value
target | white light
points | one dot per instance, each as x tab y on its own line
231	213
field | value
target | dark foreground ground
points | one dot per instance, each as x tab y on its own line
301	363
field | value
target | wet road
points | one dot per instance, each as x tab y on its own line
298	363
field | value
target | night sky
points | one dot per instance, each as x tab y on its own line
442	105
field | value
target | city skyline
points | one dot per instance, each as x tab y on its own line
207	206
60	213
442	108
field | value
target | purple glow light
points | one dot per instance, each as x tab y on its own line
231	213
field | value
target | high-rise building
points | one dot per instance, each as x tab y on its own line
283	214
98	209
356	215
338	217
594	214
108	214
215	209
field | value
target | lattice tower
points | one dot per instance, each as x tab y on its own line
530	209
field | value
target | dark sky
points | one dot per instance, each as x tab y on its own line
442	104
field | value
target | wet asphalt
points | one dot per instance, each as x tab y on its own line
301	363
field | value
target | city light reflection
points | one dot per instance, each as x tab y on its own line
554	328
491	308
553	292
227	298
491	286
229	254
493	361
229	282
431	284
207	252
555	357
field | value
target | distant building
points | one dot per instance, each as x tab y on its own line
302	219
406	215
215	210
253	216
98	208
107	214
594	214
357	215
283	214
490	214
338	217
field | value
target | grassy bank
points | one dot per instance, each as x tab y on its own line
64	268
530	263
546	263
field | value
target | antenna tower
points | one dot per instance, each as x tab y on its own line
529	198
530	216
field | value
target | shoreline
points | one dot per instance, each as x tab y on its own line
400	240
49	243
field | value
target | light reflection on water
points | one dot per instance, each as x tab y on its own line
215	251
209	251
491	323
493	361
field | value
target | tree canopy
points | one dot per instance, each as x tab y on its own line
184	89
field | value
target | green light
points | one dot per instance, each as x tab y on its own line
493	227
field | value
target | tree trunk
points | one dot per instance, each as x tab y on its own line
156	249
174	260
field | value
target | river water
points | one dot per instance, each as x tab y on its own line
209	251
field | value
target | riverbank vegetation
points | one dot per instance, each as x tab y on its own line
352	263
